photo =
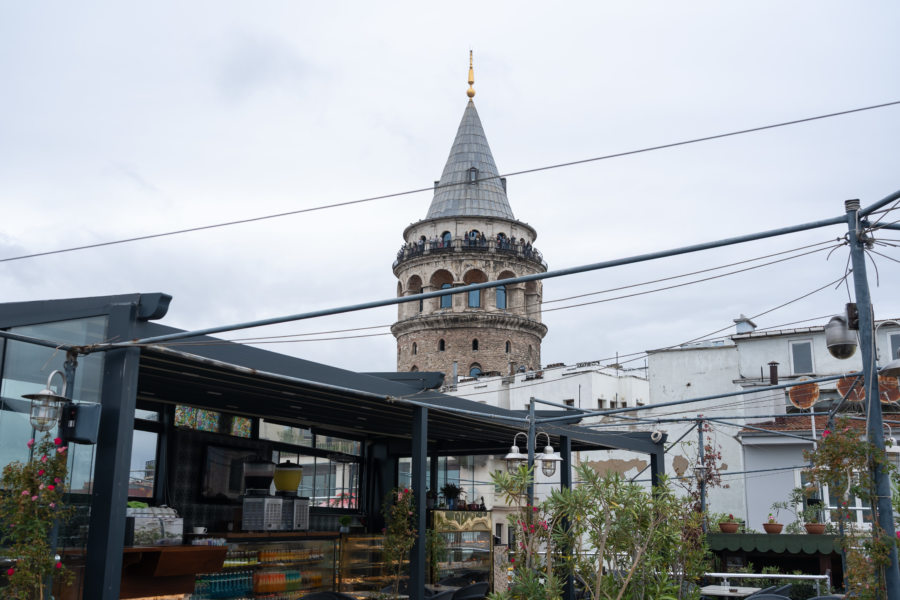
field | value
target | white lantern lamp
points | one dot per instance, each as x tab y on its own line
515	458
46	405
549	459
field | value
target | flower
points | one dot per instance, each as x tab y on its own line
41	472
826	433
51	487
57	441
58	565
61	449
30	443
771	518
34	498
44	458
10	571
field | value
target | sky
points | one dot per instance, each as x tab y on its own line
120	120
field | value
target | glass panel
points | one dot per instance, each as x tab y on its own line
895	347
242	426
336	444
307	484
801	353
287	434
143	464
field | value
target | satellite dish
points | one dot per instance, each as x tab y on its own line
888	389
804	395
851	388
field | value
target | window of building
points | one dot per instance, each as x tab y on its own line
447	239
475	299
473	175
475	370
569	401
446	301
441	345
414	369
474	344
801	357
601	403
415	349
894	343
501	297
508	347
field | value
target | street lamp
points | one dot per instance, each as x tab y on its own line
46	405
515	458
549	458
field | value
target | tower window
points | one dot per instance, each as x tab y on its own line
475	370
508	347
414	369
473	175
441	346
415	349
501	297
447	239
446	301
475	299
474	344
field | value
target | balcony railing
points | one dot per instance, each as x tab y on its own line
505	246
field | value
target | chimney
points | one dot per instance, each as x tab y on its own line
744	325
773	373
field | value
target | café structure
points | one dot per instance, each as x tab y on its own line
176	421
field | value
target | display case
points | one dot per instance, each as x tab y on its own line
362	567
468	545
281	569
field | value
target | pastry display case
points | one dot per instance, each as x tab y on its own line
468	542
363	570
276	568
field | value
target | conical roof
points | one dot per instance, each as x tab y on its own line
456	195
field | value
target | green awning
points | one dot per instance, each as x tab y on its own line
781	542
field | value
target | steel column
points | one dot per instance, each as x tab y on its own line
417	562
109	494
875	432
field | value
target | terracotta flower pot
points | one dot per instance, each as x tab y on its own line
726	527
773	527
815	528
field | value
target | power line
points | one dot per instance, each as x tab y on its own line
432	187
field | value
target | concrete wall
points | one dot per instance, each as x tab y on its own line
762	489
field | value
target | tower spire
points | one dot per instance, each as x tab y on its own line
471	91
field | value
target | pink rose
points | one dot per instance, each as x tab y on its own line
61	449
53	505
51	487
30	443
41	472
56	480
44	458
25	492
10	571
57	441
33	498
58	565
826	433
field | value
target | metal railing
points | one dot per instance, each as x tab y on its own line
818	578
527	251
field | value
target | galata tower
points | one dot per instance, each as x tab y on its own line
469	236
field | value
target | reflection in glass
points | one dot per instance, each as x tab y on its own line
143	464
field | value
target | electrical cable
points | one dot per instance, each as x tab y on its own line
432	187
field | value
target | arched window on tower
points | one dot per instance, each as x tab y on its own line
501	297
474	344
447	238
473	175
508	346
475	370
415	349
475	299
447	301
441	346
414	369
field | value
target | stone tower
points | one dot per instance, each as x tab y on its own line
469	236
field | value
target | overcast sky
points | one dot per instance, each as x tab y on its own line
121	119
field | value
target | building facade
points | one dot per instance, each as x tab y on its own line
469	235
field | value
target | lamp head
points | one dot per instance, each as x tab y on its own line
839	339
514	459
46	405
549	460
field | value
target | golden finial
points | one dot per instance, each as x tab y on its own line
471	91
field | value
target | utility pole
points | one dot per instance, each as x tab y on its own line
875	431
701	470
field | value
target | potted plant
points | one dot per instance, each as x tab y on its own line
727	524
772	525
451	493
811	521
345	521
430	498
